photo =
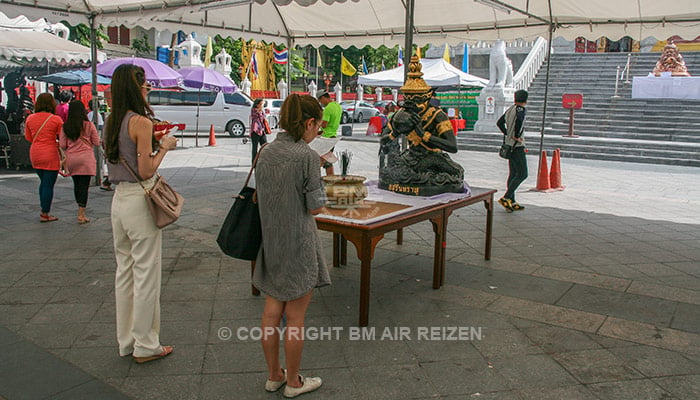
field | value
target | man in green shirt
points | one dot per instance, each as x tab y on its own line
332	112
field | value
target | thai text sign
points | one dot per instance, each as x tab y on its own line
572	100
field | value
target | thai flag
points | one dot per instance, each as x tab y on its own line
281	56
399	61
254	65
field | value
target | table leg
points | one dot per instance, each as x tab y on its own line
399	236
336	250
445	218
438	228
488	203
365	274
365	244
255	291
343	250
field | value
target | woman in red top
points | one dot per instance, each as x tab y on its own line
78	138
42	129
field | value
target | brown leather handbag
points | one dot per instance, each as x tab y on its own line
163	201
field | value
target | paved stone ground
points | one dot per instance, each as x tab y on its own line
592	293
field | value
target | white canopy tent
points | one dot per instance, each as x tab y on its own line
379	22
23	41
32	45
436	72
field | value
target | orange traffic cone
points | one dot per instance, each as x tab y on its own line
212	137
555	173
543	174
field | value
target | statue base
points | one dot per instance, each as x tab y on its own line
421	190
493	102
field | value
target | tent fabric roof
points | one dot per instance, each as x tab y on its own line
33	45
436	72
27	40
379	22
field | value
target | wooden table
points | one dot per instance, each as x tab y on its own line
365	238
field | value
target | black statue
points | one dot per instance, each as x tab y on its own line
18	106
424	169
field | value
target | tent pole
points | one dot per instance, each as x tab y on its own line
546	85
95	108
408	44
290	43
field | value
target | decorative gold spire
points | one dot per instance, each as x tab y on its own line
414	82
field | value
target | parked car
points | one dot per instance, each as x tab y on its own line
229	112
381	105
360	111
272	111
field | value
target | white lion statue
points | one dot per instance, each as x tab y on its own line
500	66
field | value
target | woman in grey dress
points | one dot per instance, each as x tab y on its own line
290	263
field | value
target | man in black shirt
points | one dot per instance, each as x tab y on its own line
512	124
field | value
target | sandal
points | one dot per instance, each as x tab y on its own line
516	206
83	220
506	203
167	350
47	218
106	188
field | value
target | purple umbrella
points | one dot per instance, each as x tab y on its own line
207	79
157	73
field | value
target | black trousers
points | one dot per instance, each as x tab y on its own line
517	167
81	184
257	140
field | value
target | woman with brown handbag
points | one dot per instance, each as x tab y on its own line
42	129
130	143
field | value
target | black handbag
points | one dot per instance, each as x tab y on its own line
506	150
240	235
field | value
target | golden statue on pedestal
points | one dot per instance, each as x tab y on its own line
671	61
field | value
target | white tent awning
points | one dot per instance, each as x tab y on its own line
377	22
32	45
436	72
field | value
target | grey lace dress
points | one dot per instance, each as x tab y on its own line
288	180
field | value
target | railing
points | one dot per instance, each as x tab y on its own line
527	71
626	71
619	75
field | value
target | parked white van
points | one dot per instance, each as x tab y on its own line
228	112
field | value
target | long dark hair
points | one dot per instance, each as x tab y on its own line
126	96
77	116
296	110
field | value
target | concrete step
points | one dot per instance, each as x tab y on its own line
565	153
622	128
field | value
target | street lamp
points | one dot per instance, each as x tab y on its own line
327	79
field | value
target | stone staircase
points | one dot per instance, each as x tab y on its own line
619	129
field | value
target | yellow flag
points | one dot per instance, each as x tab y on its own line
418	52
208	53
318	58
346	68
446	54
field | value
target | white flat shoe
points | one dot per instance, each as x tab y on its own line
273	386
308	385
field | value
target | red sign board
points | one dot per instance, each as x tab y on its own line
572	100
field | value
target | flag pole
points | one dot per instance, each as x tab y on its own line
290	43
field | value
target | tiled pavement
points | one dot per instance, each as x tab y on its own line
591	293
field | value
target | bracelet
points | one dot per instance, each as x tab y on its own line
426	136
